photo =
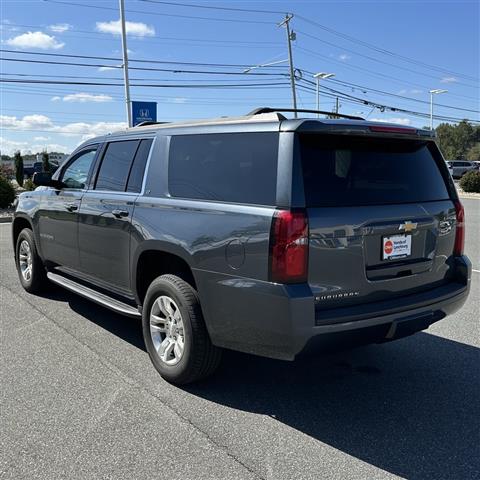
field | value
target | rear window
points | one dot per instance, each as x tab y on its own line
228	167
115	165
347	171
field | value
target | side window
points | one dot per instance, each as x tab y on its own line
135	178
115	167
229	167
76	173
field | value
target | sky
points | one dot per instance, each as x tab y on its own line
386	53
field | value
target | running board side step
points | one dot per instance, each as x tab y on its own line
91	294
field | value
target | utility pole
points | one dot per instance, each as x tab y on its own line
336	106
290	37
125	62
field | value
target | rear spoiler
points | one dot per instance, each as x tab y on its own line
358	128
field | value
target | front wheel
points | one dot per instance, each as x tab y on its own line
31	270
175	334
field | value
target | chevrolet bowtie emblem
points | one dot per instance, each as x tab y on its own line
407	226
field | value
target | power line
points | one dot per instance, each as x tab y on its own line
375	74
89	77
144	60
133	36
146	69
209	7
213	19
362	101
373	59
369	89
382	50
330	30
152	85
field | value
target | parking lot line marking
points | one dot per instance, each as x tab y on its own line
476	271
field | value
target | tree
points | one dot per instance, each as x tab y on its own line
473	153
19	168
7	193
46	162
456	140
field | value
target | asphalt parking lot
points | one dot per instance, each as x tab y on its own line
80	399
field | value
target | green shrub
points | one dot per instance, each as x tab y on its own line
7	193
470	182
29	185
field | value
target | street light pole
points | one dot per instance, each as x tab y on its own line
290	36
432	93
317	77
125	62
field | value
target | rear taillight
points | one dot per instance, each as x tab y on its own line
460	229
289	247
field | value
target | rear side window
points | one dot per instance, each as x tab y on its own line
115	167
229	167
135	178
349	171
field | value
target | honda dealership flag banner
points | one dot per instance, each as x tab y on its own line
144	112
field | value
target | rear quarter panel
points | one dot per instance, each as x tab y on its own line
225	244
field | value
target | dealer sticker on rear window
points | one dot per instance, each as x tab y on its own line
397	246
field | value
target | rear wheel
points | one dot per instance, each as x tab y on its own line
175	334
31	270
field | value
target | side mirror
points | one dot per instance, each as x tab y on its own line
44	179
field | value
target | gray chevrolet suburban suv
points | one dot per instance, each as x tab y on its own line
262	234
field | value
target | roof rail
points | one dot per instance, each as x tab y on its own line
261	110
148	122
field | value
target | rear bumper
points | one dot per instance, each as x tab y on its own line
280	321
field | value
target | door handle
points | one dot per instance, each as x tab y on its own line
120	213
71	207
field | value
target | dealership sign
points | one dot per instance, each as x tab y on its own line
144	112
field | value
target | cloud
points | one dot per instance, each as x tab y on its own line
413	91
89	130
44	123
178	100
50	147
28	122
399	121
87	97
35	40
138	29
56	99
344	57
76	132
60	27
8	146
449	80
105	69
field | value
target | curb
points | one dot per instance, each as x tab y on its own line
472	196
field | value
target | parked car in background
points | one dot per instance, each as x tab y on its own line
262	234
458	168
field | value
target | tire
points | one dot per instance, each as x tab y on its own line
30	268
171	314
